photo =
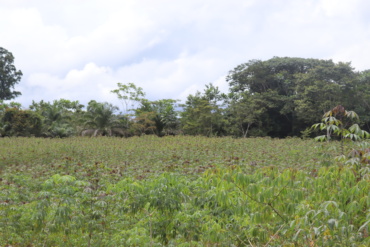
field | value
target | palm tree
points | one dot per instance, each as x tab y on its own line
56	121
52	114
101	118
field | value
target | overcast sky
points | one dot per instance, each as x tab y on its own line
80	49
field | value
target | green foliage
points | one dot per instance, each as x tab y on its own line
12	104
130	94
148	117
360	98
21	123
278	97
178	191
305	134
192	190
296	91
3	107
339	122
101	118
159	117
323	87
62	118
203	114
9	75
246	111
144	123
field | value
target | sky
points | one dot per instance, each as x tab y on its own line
80	49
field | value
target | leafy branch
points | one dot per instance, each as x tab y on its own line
269	204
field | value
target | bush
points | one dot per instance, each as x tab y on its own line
21	123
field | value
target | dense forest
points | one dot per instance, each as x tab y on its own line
279	97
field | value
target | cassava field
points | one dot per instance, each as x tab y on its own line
180	191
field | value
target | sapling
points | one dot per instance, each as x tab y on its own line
340	123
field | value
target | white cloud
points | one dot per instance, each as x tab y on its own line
92	82
357	54
333	8
174	78
159	79
81	49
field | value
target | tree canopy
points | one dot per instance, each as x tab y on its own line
279	97
296	91
9	75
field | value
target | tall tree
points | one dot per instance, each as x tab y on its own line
166	116
9	75
203	113
162	115
297	90
245	112
360	98
322	88
101	117
130	95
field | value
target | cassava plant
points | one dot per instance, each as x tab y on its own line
340	124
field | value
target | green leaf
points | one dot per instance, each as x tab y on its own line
321	138
352	137
101	204
353	161
318	125
332	223
351	114
340	158
363	226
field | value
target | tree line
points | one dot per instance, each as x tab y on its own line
279	97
